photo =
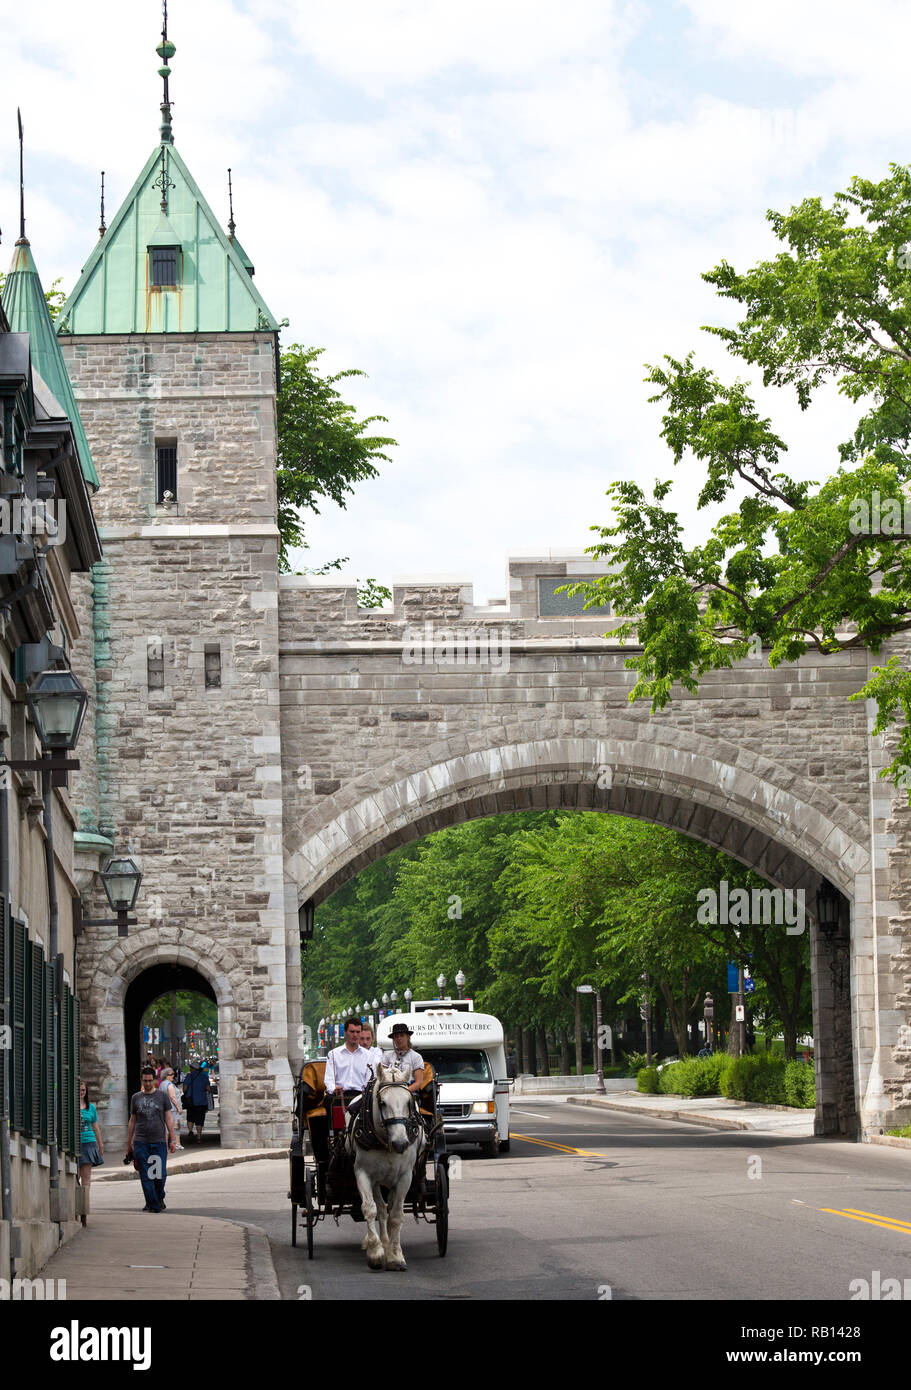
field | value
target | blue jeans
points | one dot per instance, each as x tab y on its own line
152	1187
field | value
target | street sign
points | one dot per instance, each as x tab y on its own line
749	985
739	1013
585	989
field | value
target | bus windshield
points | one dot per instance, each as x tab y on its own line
457	1064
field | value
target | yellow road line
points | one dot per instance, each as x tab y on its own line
562	1148
894	1220
883	1222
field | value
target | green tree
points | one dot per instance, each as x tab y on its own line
795	565
323	449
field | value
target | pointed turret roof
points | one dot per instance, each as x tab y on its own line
27	311
215	290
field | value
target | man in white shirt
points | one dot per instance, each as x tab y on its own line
346	1066
374	1054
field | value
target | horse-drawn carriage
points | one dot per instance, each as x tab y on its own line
323	1178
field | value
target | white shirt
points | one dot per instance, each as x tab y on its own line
374	1057
346	1069
410	1059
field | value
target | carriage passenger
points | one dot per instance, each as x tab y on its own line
403	1055
346	1066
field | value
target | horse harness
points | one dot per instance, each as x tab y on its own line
363	1129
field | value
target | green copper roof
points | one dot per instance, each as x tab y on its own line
27	311
215	293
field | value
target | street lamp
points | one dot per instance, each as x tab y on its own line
120	879
408	998
441	983
460	982
385	1003
376	1005
57	703
828	905
394	1001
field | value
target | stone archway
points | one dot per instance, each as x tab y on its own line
125	965
164	977
719	793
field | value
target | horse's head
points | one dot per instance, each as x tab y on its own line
393	1107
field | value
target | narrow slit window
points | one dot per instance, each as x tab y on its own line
165	473
213	666
163	266
155	663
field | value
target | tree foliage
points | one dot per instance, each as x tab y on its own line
323	449
794	565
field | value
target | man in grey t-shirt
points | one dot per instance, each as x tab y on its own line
149	1136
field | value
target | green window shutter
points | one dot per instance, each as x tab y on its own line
35	1034
64	1124
18	998
77	1075
5	1012
50	1058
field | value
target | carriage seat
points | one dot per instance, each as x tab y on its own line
312	1089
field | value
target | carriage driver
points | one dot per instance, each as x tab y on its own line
405	1056
346	1066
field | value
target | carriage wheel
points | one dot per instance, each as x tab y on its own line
310	1211
293	1221
442	1207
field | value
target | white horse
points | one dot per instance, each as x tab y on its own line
399	1139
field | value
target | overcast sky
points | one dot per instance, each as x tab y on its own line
499	209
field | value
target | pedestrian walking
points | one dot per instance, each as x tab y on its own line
197	1092
149	1136
166	1084
91	1148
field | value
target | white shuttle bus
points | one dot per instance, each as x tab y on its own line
467	1053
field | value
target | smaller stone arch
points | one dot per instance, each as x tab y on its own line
122	966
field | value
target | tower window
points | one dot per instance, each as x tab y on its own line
213	666
163	266
165	472
155	663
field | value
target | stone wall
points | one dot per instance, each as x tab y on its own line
185	648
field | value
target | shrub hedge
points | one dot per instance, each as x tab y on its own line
763	1078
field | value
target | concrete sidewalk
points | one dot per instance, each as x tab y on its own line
144	1257
715	1111
192	1160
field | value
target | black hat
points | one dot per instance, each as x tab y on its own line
400	1028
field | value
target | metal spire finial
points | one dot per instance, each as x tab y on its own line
103	227
165	51
231	223
21	179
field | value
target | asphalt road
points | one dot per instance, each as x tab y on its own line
596	1205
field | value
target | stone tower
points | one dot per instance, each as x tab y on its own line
173	357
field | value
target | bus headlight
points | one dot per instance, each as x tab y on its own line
483	1107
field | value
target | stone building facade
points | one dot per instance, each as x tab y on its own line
257	741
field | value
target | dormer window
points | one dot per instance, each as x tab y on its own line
164	265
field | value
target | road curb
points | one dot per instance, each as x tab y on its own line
891	1141
196	1165
690	1118
263	1278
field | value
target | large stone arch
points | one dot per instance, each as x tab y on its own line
124	963
744	804
716	792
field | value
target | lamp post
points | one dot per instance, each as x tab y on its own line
645	1010
376	1005
385	1005
408	998
394	1001
120	879
460	982
441	983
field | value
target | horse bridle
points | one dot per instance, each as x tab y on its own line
411	1122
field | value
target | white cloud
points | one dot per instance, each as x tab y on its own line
500	210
